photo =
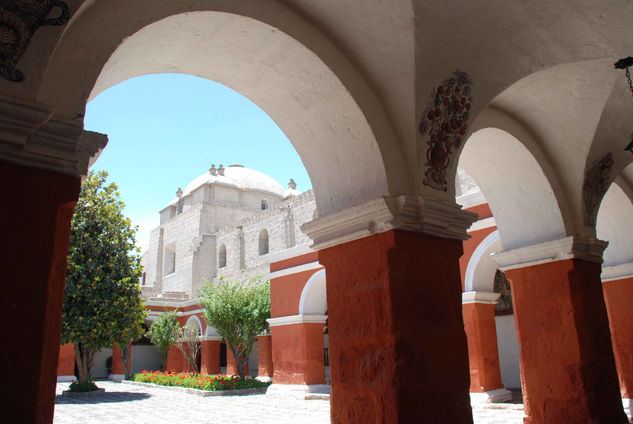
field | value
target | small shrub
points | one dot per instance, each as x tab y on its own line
87	386
197	381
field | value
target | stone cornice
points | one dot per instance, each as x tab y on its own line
437	218
617	272
556	250
480	297
296	319
30	135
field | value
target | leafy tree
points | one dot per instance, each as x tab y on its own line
164	332
102	303
189	344
238	311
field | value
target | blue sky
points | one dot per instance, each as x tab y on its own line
165	130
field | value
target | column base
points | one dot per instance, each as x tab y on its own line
117	377
264	379
628	407
65	378
299	391
491	396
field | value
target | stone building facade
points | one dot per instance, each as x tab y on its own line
227	222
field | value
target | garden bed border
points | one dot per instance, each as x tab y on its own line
204	393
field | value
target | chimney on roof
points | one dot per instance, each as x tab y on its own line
179	192
292	185
221	170
212	170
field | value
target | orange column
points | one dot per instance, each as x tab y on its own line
66	363
231	363
567	364
210	356
398	350
618	296
175	360
36	231
118	371
265	358
297	349
478	309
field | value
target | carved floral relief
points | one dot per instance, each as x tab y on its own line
444	125
595	186
19	20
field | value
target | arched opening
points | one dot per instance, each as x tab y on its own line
518	192
263	242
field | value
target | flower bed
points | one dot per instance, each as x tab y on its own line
197	381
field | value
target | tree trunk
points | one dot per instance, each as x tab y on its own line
125	358
84	359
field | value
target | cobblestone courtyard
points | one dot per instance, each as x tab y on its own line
123	403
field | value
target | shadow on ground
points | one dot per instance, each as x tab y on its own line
107	397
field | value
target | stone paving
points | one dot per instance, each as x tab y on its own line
123	403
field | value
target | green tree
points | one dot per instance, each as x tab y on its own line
238	311
102	303
189	344
164	332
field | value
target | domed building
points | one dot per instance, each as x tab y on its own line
225	221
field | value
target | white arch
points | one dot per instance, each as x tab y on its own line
272	55
615	225
195	322
518	192
313	299
488	245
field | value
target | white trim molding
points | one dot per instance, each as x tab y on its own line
416	214
486	298
485	244
210	338
31	135
296	319
483	224
470	200
491	396
295	269
589	250
617	272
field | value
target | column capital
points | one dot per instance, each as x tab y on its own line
589	250
409	213
297	319
31	135
617	272
486	298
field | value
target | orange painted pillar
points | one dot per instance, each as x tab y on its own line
618	296
478	309
567	363
397	345
265	357
210	356
297	349
36	230
118	371
66	363
231	363
175	360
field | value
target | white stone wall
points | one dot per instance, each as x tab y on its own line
508	345
214	215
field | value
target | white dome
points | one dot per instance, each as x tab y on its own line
239	177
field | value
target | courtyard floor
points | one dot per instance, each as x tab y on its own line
124	403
